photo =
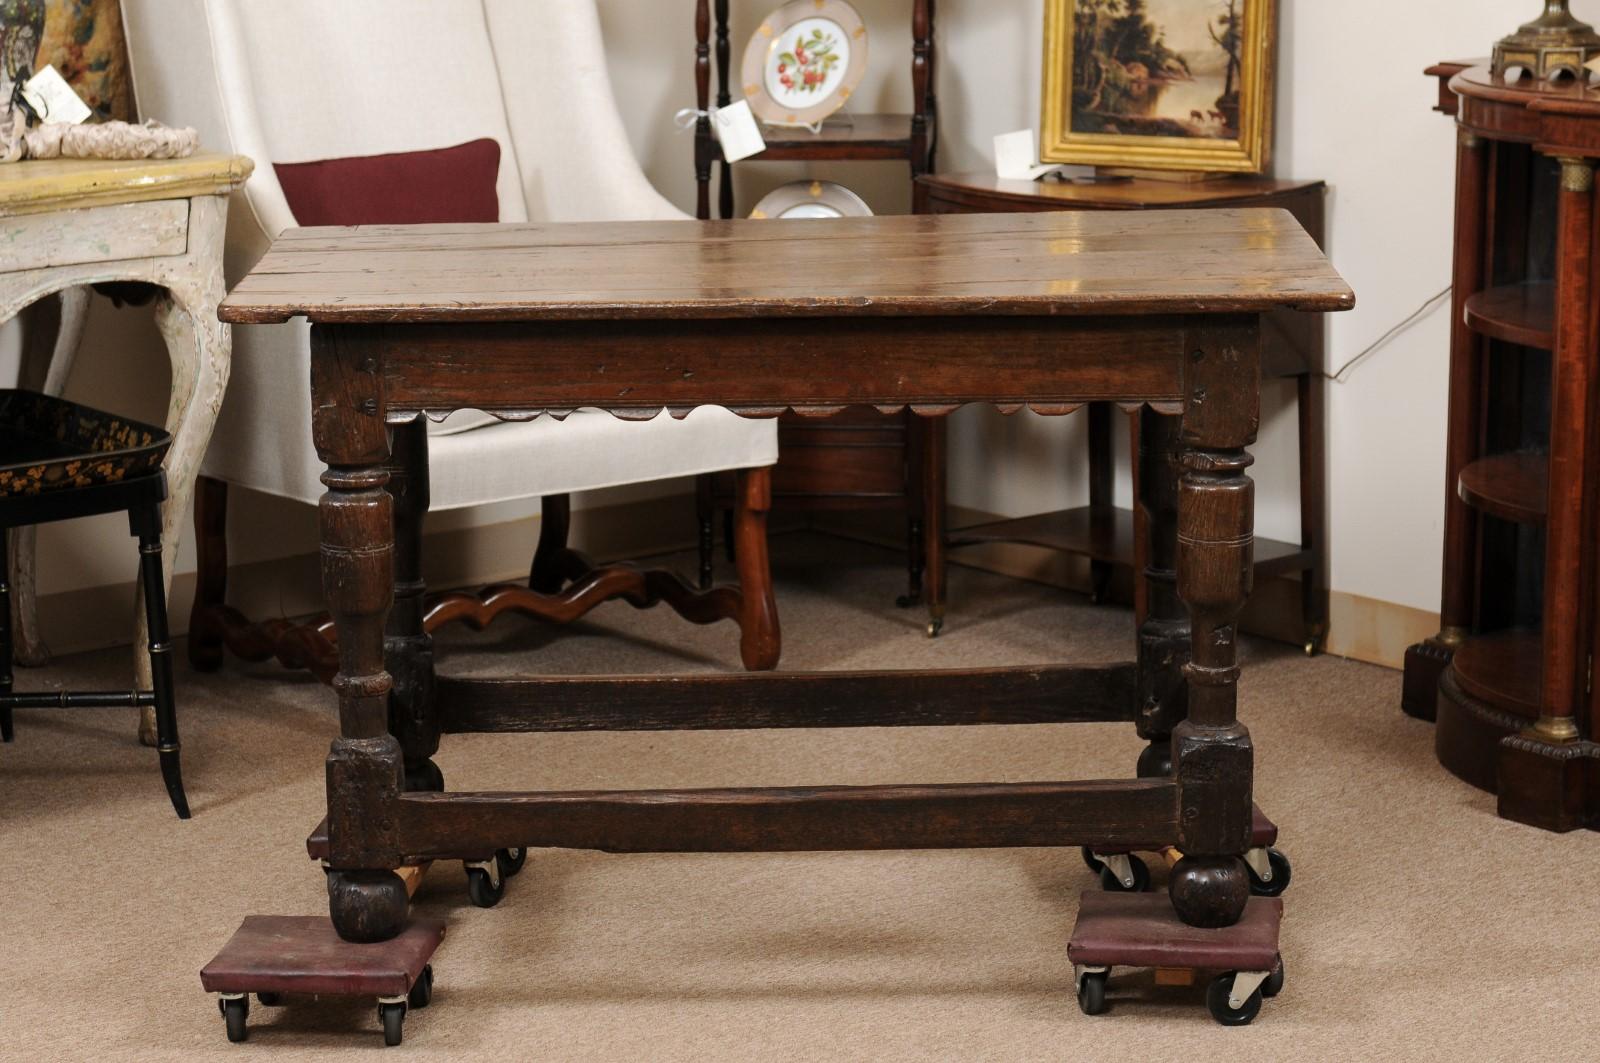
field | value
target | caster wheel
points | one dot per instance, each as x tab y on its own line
236	1013
934	627
482	889
393	1017
1092	993
1311	647
1091	861
1141	878
511	861
1217	1003
421	994
1280	876
1274	983
269	1000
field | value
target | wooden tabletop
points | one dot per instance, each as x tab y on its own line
1211	261
1131	194
33	186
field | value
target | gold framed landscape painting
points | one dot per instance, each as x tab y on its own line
1159	84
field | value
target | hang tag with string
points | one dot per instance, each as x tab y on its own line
734	127
50	98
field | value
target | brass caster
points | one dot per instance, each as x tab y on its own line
934	627
1311	647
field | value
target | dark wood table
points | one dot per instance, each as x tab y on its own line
1291	346
1048	311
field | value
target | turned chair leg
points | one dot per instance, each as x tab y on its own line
211	577
550	565
760	641
146	524
6	733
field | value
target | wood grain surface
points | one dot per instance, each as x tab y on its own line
1168	262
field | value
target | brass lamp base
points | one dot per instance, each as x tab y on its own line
1555	43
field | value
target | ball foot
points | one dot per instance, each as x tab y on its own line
1209	891
367	906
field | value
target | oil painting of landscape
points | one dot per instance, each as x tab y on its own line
1189	70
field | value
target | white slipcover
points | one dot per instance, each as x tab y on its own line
297	80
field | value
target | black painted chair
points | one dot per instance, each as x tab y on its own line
59	461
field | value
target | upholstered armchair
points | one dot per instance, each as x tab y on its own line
287	81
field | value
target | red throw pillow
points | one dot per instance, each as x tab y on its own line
405	188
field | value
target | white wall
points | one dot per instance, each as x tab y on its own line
1354	109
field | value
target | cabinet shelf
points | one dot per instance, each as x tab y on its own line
1502	669
1514	487
1516	313
858	137
1106	533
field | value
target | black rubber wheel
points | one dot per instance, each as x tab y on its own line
236	1013
484	892
1092	993
1091	861
511	861
269	1000
1274	983
1141	878
421	994
1217	1003
393	1017
1280	876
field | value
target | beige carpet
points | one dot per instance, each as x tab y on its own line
1419	925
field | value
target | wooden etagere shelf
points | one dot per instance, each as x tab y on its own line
863	459
860	137
1509	678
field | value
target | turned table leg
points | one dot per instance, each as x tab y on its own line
760	640
1164	631
407	647
1212	754
366	899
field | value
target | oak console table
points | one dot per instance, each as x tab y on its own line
1050	311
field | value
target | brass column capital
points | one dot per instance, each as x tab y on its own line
1577	174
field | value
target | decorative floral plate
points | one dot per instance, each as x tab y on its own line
804	61
811	199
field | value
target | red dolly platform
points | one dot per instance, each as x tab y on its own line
270	955
1141	930
1268	868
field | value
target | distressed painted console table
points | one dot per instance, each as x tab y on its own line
1047	311
70	223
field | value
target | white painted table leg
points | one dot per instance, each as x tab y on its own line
43	369
200	347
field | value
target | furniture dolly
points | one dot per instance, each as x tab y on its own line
1139	930
1267	867
1046	311
271	955
487	871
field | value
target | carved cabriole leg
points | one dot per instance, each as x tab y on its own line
366	898
52	330
1164	632
206	641
760	641
200	348
407	648
1212	755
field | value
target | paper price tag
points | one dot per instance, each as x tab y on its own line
737	131
1016	157
49	94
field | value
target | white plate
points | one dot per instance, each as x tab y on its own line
804	62
811	199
